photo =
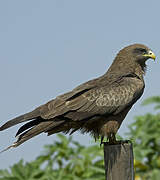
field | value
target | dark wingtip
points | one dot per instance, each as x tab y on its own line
6	125
12	122
2	127
19	119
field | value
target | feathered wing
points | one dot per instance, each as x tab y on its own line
44	109
68	111
39	119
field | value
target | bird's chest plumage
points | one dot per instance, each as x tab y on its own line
112	123
117	103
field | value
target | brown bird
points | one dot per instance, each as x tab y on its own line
98	106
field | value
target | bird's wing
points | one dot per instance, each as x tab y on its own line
103	100
53	107
81	89
42	117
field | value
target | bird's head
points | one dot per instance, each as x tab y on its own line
138	53
131	58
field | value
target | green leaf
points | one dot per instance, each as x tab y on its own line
10	178
152	100
4	173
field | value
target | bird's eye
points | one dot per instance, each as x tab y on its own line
143	51
140	51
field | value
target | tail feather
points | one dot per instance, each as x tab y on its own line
28	125
20	119
28	134
34	131
31	133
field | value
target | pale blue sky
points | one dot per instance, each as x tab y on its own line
48	47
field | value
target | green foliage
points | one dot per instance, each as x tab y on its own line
153	100
145	135
65	159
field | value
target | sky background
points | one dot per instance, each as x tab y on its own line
48	47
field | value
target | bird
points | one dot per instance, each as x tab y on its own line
98	106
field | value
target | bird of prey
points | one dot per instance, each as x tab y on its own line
98	106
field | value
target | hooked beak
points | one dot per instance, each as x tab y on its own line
150	54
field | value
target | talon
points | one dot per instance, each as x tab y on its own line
112	139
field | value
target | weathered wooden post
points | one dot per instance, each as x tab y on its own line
119	161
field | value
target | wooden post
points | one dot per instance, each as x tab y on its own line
119	161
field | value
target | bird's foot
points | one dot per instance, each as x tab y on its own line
111	140
120	142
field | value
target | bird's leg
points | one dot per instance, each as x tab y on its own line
112	139
102	137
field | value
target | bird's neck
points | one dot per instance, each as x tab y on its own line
121	68
140	70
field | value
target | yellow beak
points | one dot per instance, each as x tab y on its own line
150	55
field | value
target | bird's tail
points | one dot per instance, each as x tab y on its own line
25	133
30	129
34	130
34	116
